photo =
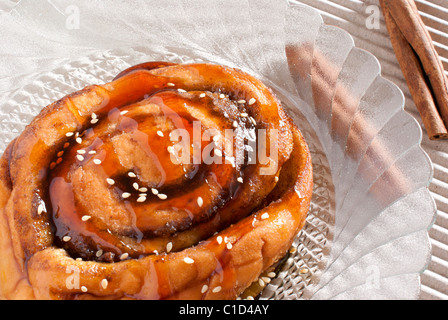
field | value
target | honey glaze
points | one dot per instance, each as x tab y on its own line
116	188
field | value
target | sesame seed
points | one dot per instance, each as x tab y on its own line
160	133
222	96
143	189
202	95
40	209
219	239
104	283
132	175
229	246
249	298
242	101
276	179
69	134
162	196
125	195
110	181
266	279
252	101
244	114
79	140
86	218
170	149
124	256
200	201
188	260
92	152
135	185
96	161
66	145
94	121
169	247
170	84
60	153
261	282
181	90
217	289
81	151
272	274
84	289
66	239
304	271
141	199
155	191
94	116
80	157
253	121
204	288
265	216
235	124
99	253
124	112
240	180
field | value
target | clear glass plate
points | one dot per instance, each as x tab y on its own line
366	236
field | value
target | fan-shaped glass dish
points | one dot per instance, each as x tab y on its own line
366	233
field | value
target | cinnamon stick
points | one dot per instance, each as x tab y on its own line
420	63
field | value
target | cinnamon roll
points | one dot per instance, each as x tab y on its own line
173	181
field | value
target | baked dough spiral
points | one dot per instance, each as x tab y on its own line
95	205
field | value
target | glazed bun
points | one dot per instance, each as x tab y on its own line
170	182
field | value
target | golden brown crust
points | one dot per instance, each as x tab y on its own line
208	248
